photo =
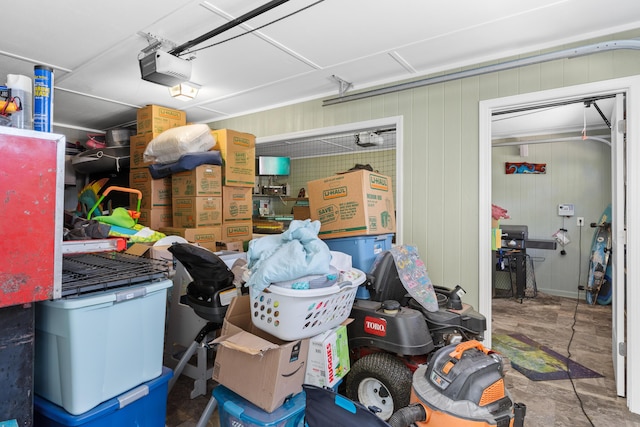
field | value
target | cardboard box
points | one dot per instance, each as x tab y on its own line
155	192
259	367
161	253
238	151
328	360
156	218
352	204
137	145
212	246
219	246
237	204
237	231
301	212
230	246
157	119
204	180
195	235
194	212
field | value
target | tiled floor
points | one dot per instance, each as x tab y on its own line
548	321
545	319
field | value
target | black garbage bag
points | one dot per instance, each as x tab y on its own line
325	407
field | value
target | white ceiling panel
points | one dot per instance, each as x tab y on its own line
360	28
311	84
243	63
94	114
94	47
69	32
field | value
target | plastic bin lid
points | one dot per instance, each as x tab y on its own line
58	414
242	409
108	295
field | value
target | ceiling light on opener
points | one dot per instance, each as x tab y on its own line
186	91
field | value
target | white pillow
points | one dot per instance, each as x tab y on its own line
171	144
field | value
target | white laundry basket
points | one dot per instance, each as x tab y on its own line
292	314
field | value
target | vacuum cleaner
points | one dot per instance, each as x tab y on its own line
461	386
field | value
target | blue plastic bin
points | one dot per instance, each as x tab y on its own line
363	249
237	411
77	367
142	406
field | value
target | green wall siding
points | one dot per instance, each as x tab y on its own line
440	168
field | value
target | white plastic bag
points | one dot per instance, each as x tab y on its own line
562	237
171	144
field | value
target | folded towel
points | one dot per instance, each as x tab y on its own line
293	254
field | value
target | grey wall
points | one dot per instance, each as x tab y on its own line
577	172
440	157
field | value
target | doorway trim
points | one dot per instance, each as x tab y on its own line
630	86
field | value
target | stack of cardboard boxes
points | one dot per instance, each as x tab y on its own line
155	207
212	204
197	205
238	152
208	205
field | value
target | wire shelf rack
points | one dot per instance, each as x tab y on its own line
93	272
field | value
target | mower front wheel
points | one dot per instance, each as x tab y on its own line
380	380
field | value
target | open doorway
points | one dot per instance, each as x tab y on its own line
629	87
551	169
317	153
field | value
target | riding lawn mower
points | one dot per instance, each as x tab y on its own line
392	335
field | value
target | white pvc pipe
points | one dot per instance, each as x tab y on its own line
537	59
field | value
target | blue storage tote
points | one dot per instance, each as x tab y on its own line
94	347
143	406
363	249
238	412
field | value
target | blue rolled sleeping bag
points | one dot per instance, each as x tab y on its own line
186	162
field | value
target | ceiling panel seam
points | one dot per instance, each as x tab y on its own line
263	36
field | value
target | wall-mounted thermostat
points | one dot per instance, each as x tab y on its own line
565	209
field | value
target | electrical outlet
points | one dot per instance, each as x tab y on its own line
580	221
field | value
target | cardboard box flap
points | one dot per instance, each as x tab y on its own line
246	342
138	249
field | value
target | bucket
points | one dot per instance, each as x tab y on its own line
43	98
118	137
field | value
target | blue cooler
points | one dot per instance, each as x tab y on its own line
142	406
363	249
238	412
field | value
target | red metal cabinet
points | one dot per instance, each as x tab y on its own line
31	215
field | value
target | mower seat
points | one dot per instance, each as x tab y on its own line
384	282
